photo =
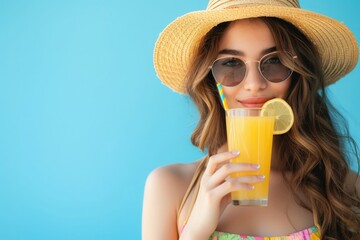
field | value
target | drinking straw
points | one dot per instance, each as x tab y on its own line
222	96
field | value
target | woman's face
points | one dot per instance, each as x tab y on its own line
250	39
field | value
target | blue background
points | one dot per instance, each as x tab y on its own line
84	119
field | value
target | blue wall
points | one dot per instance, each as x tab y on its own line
84	118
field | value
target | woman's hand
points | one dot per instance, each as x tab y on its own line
214	193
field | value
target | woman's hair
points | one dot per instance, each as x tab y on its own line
314	150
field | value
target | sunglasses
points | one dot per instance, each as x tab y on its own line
275	67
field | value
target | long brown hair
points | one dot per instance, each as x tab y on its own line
314	150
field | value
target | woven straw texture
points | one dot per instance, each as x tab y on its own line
176	45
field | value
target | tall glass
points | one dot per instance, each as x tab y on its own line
252	134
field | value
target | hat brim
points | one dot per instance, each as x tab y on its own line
177	44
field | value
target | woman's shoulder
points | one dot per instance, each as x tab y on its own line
164	189
172	177
171	181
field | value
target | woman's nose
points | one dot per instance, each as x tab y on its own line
253	80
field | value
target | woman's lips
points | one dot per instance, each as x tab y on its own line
254	102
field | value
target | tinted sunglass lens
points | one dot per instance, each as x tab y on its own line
229	71
273	69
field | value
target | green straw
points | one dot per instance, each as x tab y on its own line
222	96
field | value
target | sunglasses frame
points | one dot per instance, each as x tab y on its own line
293	57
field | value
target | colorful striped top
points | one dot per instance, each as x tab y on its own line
312	233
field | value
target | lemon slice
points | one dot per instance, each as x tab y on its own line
284	116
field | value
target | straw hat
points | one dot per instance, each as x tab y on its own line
177	44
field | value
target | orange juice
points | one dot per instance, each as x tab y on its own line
252	135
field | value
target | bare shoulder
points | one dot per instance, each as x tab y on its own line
353	181
171	178
175	170
164	190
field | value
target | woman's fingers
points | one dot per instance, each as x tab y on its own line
216	160
223	172
236	184
216	181
227	169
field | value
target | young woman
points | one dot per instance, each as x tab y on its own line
313	192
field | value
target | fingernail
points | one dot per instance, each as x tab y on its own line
256	166
261	177
251	187
235	153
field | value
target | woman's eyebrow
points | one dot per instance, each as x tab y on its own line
231	52
241	53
